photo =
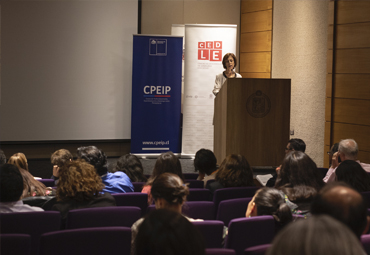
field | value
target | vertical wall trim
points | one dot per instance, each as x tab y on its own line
139	7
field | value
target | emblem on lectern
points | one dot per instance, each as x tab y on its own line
258	104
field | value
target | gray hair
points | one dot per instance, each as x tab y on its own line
349	148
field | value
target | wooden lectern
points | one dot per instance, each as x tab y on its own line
252	118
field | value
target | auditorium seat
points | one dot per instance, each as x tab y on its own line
47	182
199	195
190	176
120	216
232	209
248	232
365	240
195	184
257	250
231	193
92	241
138	186
137	199
212	231
15	244
219	251
32	223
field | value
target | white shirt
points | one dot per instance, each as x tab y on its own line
220	79
18	206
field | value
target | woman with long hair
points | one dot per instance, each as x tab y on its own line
234	171
130	165
300	181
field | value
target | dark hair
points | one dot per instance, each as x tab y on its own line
166	163
352	173
343	203
170	187
226	57
2	158
334	148
299	177
166	232
235	172
270	201
130	165
297	144
205	161
11	183
95	157
319	235
60	157
79	181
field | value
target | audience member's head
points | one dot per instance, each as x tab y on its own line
348	149
352	173
2	158
343	203
130	165
166	163
298	177
318	235
235	172
20	160
95	157
11	183
269	201
78	181
61	157
169	191
295	144
166	232
205	161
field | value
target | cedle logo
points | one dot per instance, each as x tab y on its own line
211	51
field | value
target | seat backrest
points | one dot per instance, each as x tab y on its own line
200	194
92	241
31	223
365	240
257	250
138	186
15	244
248	232
219	251
132	199
231	193
195	184
232	209
212	231
191	176
120	216
199	210
47	182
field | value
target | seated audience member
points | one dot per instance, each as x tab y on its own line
345	204
58	159
2	158
347	150
11	189
318	235
299	180
353	174
167	232
79	187
169	192
166	163
31	187
130	165
270	201
117	182
233	172
206	163
294	144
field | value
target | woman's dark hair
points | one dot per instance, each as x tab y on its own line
205	161
166	232
166	163
95	157
270	201
319	235
79	181
299	177
235	172
130	165
351	172
171	188
226	57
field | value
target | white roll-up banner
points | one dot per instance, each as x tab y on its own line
205	47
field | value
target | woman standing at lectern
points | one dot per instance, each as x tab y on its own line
229	62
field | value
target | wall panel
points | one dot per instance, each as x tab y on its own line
353	11
344	86
358	132
352	111
257	41
256	21
353	60
258	62
255	5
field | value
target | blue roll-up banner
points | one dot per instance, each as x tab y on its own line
156	94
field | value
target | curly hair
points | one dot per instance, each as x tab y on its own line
79	181
130	165
235	172
60	157
95	157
